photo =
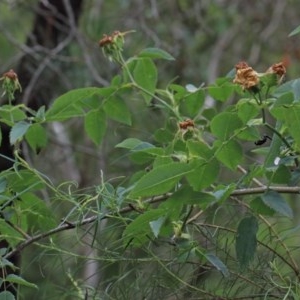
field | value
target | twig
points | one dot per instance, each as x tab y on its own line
72	225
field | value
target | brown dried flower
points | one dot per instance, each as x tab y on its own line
11	74
245	76
187	123
278	69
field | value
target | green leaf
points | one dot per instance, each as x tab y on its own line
38	214
95	125
295	31
204	174
217	263
129	143
247	110
230	153
222	192
7	296
3	184
145	75
280	174
155	53
71	104
221	93
156	225
18	131
224	124
246	241
22	181
160	180
36	136
278	203
187	196
116	109
11	114
191	104
199	149
260	207
134	144
288	87
139	230
19	280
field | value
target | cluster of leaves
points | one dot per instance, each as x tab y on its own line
190	167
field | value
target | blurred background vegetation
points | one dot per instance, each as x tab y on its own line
207	38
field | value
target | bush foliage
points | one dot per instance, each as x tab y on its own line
207	211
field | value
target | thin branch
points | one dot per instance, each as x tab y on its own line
71	225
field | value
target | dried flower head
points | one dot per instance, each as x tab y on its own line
112	45
186	124
10	84
245	76
278	69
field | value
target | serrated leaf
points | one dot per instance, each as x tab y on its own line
274	200
18	131
156	53
160	180
36	136
95	125
246	241
217	263
19	280
260	207
224	124
145	75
